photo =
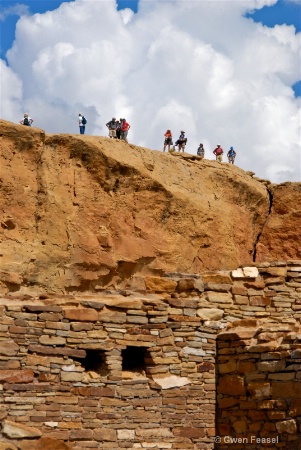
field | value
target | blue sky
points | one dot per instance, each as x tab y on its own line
283	12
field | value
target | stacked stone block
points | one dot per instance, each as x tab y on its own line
130	369
259	390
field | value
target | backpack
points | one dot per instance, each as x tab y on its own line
84	120
26	121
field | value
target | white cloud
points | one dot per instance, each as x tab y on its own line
199	66
15	10
10	94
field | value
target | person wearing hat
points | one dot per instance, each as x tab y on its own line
231	155
181	142
26	120
218	151
112	127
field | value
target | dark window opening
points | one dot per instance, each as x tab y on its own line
133	359
94	361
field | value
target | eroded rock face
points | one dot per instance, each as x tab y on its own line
44	444
81	213
281	234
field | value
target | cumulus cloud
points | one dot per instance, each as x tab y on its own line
10	94
14	10
200	66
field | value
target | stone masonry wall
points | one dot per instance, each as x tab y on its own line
135	370
259	389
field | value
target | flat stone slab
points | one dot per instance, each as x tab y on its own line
171	381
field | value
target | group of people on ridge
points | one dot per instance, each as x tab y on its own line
182	141
118	129
218	152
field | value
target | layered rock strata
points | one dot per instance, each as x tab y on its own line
80	213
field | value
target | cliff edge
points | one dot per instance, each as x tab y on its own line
84	213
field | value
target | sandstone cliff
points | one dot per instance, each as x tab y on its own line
85	212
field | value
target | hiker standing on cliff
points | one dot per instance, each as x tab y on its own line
118	128
167	140
124	130
82	123
231	155
218	151
181	142
201	151
112	127
27	121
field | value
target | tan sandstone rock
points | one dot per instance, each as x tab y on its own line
280	238
84	213
44	444
15	430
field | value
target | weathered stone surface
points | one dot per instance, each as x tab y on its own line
219	297
8	348
295	408
289	389
283	225
193	351
240	426
52	340
287	426
236	334
57	351
158	284
105	434
185	284
228	367
45	443
231	385
81	314
79	243
245	272
205	366
7	446
259	390
210	313
271	366
250	272
15	430
155	432
16	376
171	381
71	376
190	432
125	435
260	301
220	277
